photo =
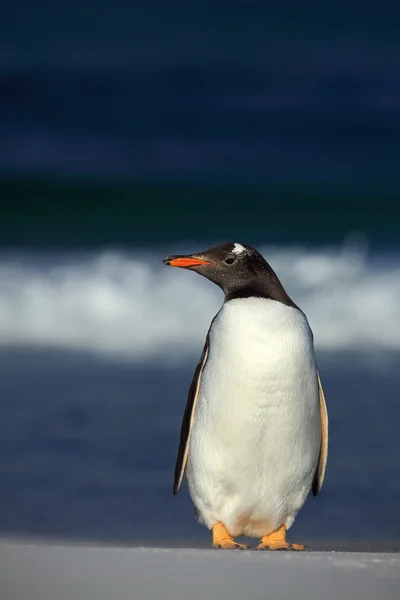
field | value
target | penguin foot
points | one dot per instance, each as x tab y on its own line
277	541
222	539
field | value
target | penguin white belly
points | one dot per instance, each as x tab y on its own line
255	441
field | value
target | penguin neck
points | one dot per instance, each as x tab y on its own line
271	289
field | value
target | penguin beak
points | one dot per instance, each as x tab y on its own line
185	261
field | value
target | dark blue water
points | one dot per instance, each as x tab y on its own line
219	121
148	93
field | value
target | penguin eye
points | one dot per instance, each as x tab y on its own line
230	260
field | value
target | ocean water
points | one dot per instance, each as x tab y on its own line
97	353
272	94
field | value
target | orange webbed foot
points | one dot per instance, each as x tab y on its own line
277	541
223	540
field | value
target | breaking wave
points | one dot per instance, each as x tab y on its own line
128	306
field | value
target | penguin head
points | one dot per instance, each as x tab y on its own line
238	269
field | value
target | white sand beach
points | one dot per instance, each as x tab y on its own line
55	572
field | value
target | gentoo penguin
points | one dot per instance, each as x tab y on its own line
254	437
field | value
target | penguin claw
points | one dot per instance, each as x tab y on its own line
229	545
299	548
287	548
264	548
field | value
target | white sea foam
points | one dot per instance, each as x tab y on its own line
128	305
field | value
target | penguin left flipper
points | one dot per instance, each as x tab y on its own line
188	417
277	541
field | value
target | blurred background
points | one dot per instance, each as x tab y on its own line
130	131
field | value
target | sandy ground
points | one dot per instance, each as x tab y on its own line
52	572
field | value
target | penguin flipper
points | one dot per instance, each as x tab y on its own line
188	418
323	454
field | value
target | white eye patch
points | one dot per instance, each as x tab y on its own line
238	248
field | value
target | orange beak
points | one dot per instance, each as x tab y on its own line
185	261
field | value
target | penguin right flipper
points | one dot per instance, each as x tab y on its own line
323	455
188	418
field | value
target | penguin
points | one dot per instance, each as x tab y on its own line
254	435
